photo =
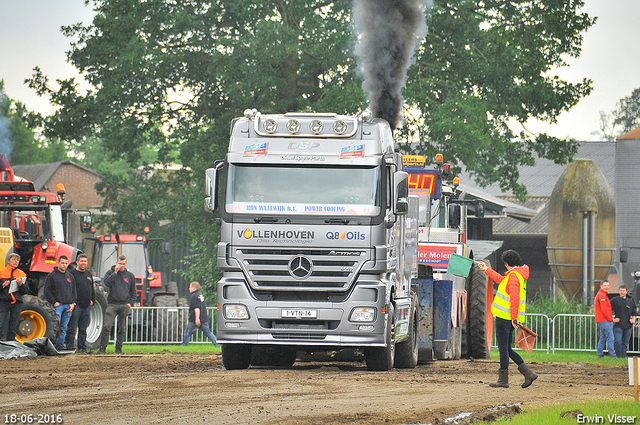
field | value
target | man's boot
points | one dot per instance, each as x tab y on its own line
529	376
503	379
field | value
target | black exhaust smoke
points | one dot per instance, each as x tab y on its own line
388	33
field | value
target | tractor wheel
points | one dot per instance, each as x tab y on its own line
170	322
407	351
477	331
37	319
236	356
96	318
382	358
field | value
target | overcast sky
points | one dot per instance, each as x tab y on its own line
30	36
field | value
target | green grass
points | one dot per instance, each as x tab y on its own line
550	415
207	348
563	357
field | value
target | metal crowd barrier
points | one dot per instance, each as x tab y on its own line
570	332
162	325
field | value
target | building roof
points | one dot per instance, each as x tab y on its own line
540	181
632	135
40	174
542	177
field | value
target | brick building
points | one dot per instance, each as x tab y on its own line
79	183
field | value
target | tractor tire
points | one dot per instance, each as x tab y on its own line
236	356
96	319
170	323
477	330
407	351
37	319
172	287
273	355
382	358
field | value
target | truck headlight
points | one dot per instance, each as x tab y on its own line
362	314
235	312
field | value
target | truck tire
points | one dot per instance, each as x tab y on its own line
273	355
477	331
407	351
37	319
96	319
236	356
170	323
382	358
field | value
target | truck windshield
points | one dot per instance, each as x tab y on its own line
303	190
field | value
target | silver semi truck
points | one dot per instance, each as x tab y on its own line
319	246
319	240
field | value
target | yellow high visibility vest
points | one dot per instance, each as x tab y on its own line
501	306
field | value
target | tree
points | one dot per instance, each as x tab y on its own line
20	138
483	66
167	78
623	119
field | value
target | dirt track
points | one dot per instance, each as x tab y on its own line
194	388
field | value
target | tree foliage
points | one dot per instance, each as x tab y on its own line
167	77
484	70
623	119
20	138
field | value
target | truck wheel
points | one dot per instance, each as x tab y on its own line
407	351
170	322
96	318
37	319
382	358
236	356
477	331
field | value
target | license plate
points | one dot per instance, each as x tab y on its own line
300	314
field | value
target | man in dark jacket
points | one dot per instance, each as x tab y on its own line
82	312
60	292
13	285
198	316
121	285
624	308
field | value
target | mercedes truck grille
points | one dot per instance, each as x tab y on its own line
313	269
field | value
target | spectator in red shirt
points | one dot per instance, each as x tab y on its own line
604	319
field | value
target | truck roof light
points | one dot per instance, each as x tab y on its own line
439	159
446	169
249	113
146	229
366	116
293	126
139	237
316	126
339	127
456	181
60	189
270	125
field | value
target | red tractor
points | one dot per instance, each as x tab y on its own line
31	225
149	325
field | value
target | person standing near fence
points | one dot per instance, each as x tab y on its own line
121	285
60	292
82	313
509	306
198	316
604	319
13	285
624	308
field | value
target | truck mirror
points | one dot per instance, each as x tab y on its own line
454	215
479	210
85	223
402	207
166	248
624	256
210	188
401	184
